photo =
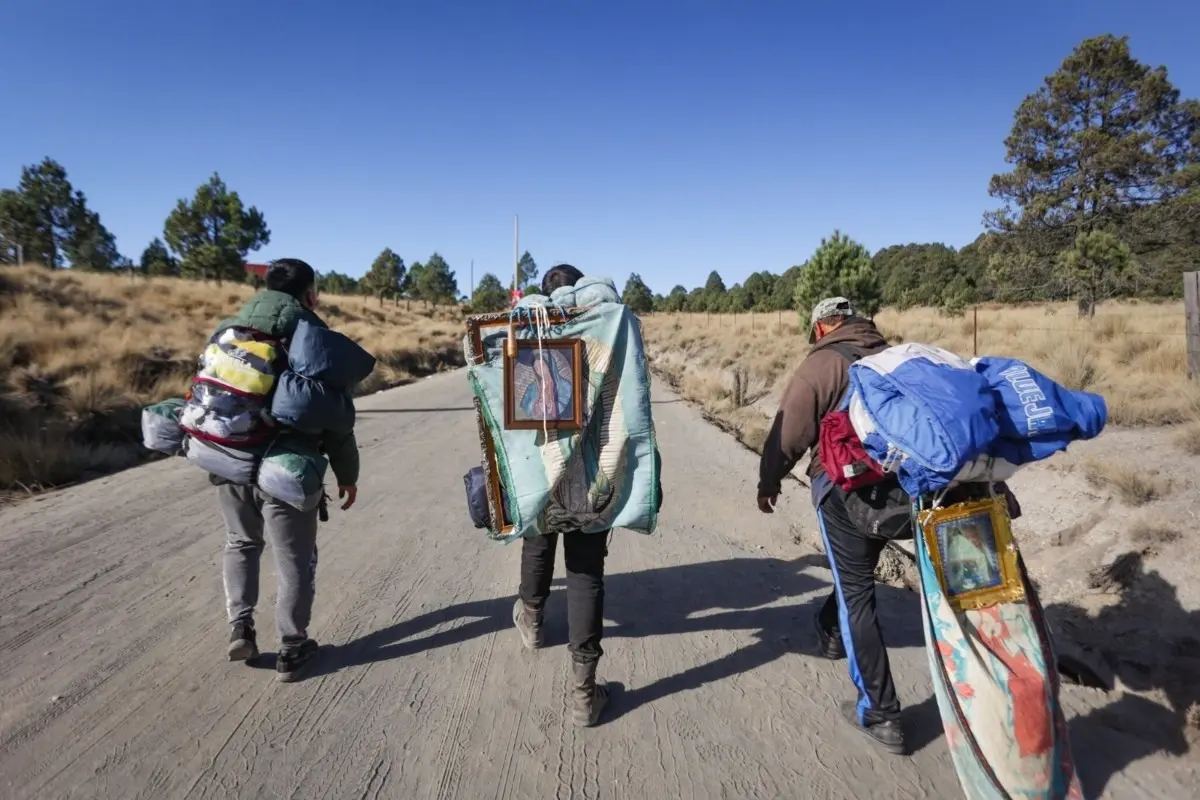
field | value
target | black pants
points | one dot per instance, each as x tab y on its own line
850	610
584	554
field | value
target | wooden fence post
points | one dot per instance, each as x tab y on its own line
1191	316
975	331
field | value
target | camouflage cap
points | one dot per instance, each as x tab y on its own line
829	307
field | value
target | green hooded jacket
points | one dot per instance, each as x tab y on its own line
277	314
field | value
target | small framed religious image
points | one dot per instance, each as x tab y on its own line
972	550
543	385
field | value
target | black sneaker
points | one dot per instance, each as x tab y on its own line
294	662
886	734
828	645
243	642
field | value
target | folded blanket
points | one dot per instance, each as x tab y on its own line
922	412
604	476
312	406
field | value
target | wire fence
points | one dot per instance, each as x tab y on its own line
981	325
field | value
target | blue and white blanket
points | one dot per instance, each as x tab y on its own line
937	419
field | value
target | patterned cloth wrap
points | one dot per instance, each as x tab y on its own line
996	684
604	476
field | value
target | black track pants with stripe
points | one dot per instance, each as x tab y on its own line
850	610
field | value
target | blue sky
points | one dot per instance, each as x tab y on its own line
663	137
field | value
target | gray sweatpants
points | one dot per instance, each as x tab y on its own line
251	518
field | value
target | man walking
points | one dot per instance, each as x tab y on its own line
252	518
847	625
584	554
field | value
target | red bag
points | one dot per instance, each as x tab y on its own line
843	456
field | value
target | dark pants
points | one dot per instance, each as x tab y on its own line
584	554
850	610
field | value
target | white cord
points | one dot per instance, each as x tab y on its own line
541	329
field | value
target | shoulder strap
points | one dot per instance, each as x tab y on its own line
846	351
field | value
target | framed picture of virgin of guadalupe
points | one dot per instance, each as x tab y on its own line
543	385
973	553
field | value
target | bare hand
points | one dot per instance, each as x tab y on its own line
766	503
350	493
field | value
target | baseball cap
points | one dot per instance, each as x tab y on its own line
829	307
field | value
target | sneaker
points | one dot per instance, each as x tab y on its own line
295	662
886	734
829	645
243	642
529	625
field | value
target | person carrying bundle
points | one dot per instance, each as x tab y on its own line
847	624
229	407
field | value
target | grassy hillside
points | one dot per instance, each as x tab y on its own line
81	353
1134	354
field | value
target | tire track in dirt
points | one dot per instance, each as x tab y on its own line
466	700
148	708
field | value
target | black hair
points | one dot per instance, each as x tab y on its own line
559	276
291	276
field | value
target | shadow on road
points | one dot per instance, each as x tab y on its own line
1152	644
738	594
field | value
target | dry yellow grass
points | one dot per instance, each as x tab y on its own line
1134	486
1134	354
80	354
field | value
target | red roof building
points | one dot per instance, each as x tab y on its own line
257	270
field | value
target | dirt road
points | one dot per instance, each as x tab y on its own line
113	682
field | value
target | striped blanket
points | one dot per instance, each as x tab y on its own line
592	480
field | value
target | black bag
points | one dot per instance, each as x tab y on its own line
477	502
883	510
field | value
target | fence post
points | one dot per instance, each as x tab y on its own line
1191	315
975	331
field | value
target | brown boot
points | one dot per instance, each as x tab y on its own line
588	696
529	625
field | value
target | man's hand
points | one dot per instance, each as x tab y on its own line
766	503
350	493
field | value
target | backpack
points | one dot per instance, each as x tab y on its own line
875	502
230	399
839	448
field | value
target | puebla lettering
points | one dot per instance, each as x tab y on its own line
1039	418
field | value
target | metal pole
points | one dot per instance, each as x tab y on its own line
472	280
516	251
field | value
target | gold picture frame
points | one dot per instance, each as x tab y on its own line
543	385
497	508
973	553
480	326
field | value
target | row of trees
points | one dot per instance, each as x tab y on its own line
47	221
1102	201
388	277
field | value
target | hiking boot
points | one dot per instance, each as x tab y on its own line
886	734
295	662
243	642
829	644
588	696
529	625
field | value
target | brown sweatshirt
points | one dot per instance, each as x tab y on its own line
816	388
